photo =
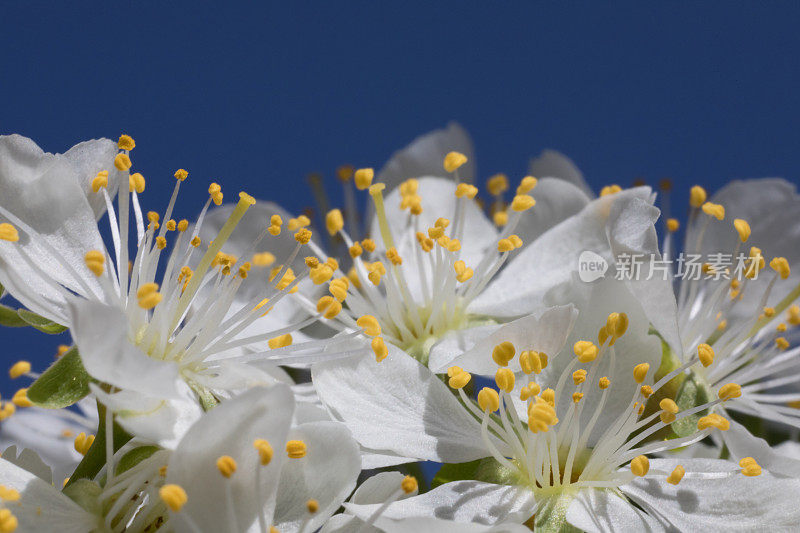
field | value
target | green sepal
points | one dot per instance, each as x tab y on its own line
10	319
95	458
552	517
63	384
455	472
670	389
86	494
691	394
486	469
134	457
41	323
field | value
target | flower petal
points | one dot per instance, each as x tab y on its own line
556	201
554	164
87	159
595	510
741	443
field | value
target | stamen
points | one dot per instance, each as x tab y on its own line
296	449
20	368
173	496
8	232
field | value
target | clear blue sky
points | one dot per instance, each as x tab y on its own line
256	95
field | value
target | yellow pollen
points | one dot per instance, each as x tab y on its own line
505	245
8	494
714	210
706	354
529	391
729	391
673	225
497	184
463	272
136	183
296	449
781	327
503	353
409	484
126	142
532	361
669	410
541	415
504	378
303	236
522	202
312	506
781	266
320	274
300	222
465	190
171	225
610	189
379	349
18	369
393	256
646	391
338	288
743	228
334	221
526	185
226	465
8	522
161	243
453	161
183	225
435	232
586	351
7	411
697	196
640	372
577	396
8	232
676	476
441	222
604	383
792	315
122	162
83	442
579	376
345	172
264	450
355	250
363	178
370	325
280	341
368	245
458	377
148	295
100	181
713	420
181	174
782	343
488	400
173	496
263	259
769	312
215	191
20	398
329	307
640	465
500	218
750	467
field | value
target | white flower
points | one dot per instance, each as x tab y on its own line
569	435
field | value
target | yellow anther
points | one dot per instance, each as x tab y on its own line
171	225
640	372
489	400
586	351
541	415
7	410
454	160
668	410
83	442
280	341
750	467
263	259
768	312
126	142
673	225
303	236
610	189
368	245
363	178
503	353
793	315
577	396
729	391
334	221
463	273
409	484
755	263
379	349
453	245
338	288
18	369
579	376
122	162
370	325
497	184
320	274
8	522
409	187
296	449
161	243
505	245
300	222
713	421
780	327
604	383
100	181
264	450
173	496
226	465
8	494
274	230
352	275
153	218
697	196
676	476
181	174
522	202
215	191
8	232
531	362
62	349
20	398
465	190
261	304
312	506
549	395
148	295
706	354
393	256
640	465
526	185
355	250
500	218
714	210
646	390
529	391
183	225
458	377
782	343
743	228
136	182
436	232
781	266
504	378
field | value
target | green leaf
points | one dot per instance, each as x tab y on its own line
691	394
41	323
552	517
95	458
61	385
10	318
134	457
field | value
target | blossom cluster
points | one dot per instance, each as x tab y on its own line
246	369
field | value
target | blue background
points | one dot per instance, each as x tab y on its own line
257	95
